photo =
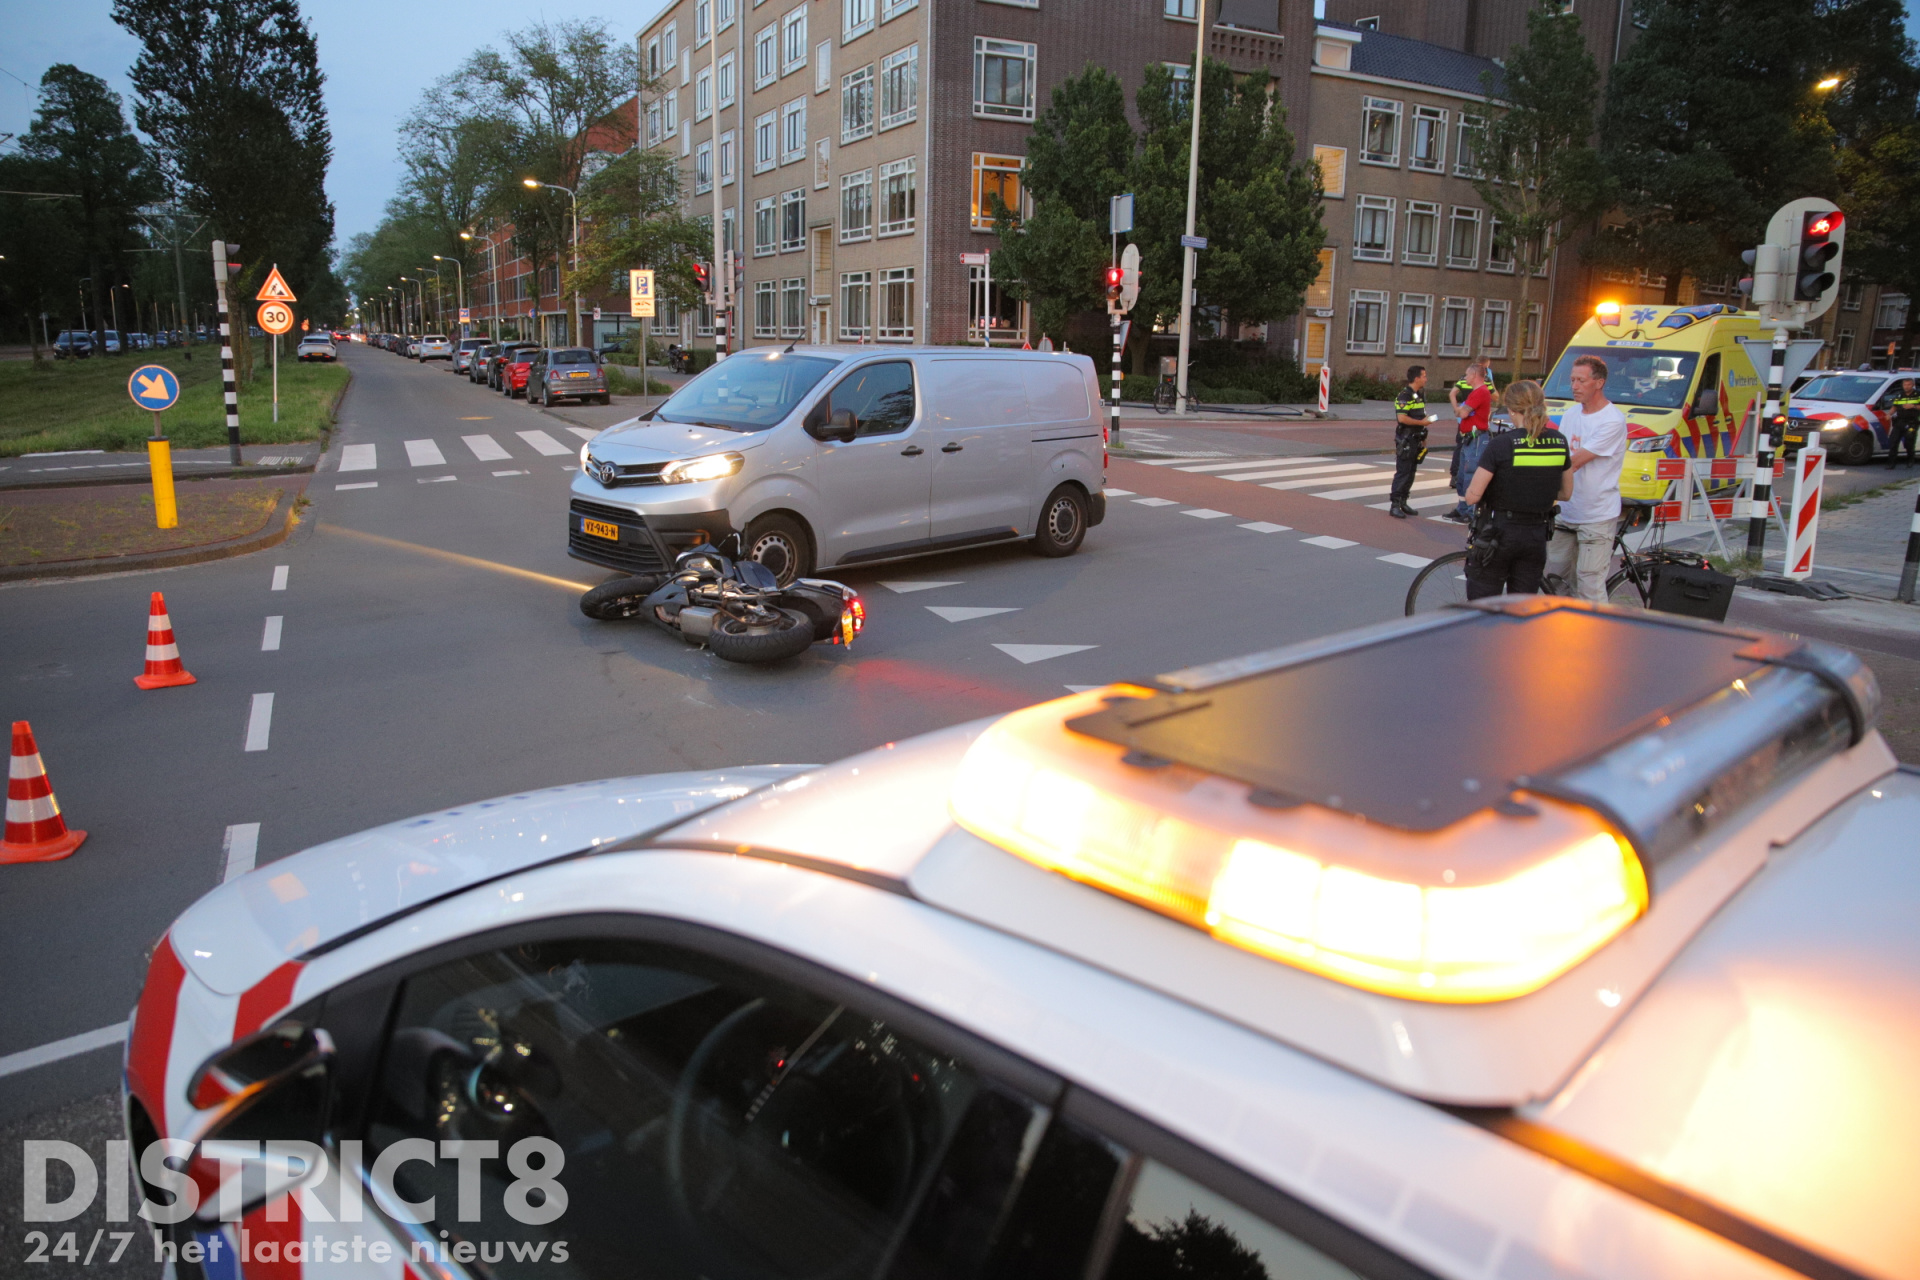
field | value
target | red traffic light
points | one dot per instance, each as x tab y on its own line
1826	224
1114	275
700	272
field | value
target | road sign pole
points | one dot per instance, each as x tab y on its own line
276	377
166	514
1911	569
1187	263
1763	444
226	352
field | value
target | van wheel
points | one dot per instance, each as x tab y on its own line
1063	523
1858	451
779	543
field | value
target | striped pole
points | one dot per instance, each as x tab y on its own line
1911	568
1113	433
1763	442
226	353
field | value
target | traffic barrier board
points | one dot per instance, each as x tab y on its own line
153	386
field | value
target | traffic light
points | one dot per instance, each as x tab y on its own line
700	274
1763	286
1115	279
1816	265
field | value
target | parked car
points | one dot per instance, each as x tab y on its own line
515	367
503	356
567	373
842	455
316	346
463	353
434	346
478	360
73	344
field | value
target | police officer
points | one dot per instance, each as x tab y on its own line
1522	474
1906	421
1409	438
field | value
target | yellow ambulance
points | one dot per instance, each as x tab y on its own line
1681	376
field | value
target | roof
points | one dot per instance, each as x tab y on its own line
1418	62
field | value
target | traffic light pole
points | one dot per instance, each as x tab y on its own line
226	353
1113	434
1763	441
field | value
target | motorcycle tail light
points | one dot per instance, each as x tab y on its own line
858	608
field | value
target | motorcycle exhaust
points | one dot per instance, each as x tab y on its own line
696	623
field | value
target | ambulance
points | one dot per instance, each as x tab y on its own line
1680	375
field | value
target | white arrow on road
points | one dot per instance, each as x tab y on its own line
902	587
962	613
1030	653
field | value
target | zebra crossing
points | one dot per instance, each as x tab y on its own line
1321	476
483	448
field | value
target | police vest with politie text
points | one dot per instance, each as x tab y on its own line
1906	406
1526	473
1410	441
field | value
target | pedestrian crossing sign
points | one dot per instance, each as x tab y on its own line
640	293
275	289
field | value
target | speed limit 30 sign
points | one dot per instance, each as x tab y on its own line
275	317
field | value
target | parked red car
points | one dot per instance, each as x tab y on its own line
514	366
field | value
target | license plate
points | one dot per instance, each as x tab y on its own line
579	375
1796	440
601	529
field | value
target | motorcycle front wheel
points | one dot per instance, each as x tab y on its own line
620	599
737	640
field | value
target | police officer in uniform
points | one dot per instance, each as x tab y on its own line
1409	438
1906	421
1522	474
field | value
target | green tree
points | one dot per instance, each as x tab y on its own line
230	93
1712	121
1077	159
630	217
1538	172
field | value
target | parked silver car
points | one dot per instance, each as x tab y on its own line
566	373
463	353
433	347
847	455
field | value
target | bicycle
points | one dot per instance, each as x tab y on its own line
1165	394
1630	586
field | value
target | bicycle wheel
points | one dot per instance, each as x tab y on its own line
1626	591
1442	583
1163	397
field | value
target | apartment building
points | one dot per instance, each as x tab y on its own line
856	144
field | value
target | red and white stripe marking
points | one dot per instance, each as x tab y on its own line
1809	473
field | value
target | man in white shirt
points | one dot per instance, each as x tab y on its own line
1596	431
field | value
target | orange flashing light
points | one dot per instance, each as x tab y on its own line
1608	312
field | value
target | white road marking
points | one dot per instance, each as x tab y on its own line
1155	502
364	484
903	586
259	722
543	443
1174	462
510	473
1246	463
585	433
1118	493
270	638
1262	526
358	457
436	479
1402	558
1374	491
242	846
279	578
964	613
1446	499
1317	480
1205	513
1331	543
486	448
425	453
1289	473
1031	653
72	1046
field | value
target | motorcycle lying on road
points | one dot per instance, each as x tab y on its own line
735	607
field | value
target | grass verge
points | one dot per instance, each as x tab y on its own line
621	382
83	404
81	524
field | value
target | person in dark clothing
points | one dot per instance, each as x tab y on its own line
1906	420
1409	438
1521	475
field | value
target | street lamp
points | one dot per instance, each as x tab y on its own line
420	311
534	184
439	306
459	284
1831	82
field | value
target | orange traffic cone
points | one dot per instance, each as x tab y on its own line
35	830
163	655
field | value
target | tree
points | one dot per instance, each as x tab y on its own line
630	217
230	92
1538	173
1711	123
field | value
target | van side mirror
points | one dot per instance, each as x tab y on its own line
840	425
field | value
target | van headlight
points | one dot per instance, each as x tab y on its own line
714	466
586	457
1648	444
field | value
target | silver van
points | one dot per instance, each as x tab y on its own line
830	456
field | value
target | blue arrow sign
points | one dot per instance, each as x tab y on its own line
153	386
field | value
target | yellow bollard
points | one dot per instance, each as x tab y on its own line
166	515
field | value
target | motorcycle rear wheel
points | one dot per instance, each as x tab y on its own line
620	599
735	641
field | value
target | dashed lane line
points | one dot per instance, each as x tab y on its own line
242	847
511	473
364	484
1031	653
1118	493
1330	542
1267	526
1402	558
437	479
270	637
1327	476
1205	513
259	722
902	586
1156	502
279	578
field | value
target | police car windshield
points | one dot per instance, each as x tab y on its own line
1651	379
1847	388
746	392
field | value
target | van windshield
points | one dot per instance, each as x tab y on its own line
1847	388
746	392
1653	379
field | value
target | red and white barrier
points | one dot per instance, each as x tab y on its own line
1326	385
1809	472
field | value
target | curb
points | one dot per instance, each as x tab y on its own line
287	509
225	473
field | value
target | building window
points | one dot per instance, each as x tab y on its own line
823	66
1493	327
856	306
1320	292
764	302
1333	170
1892	311
822	165
1003	79
670	112
703	94
727	83
766	227
1499	250
670	44
793	37
1851	296
991	314
793	307
1423	234
1336	55
896	304
1530	345
686	143
793	221
1414	336
897	197
900	87
1427	151
1366	322
703	321
766	66
856	206
1463	239
1183	9
1456	327
654	64
653	124
1380	132
856	18
994	176
1373	229
1466	151
703	168
793	131
891	9
702	22
1843	349
726	158
856	105
729	228
726	13
1179	82
765	139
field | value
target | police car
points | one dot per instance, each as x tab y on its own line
1849	411
1219	974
